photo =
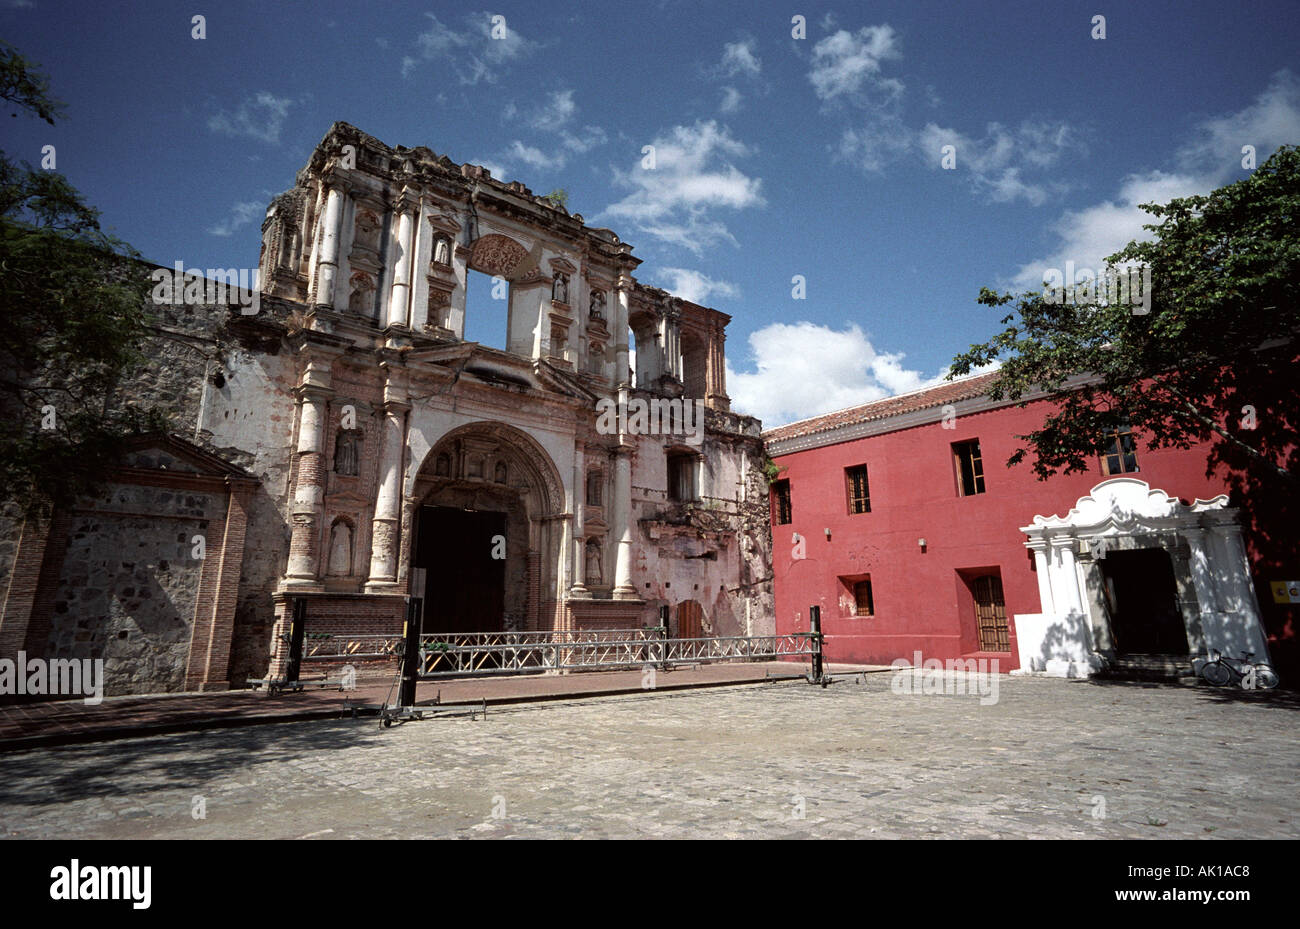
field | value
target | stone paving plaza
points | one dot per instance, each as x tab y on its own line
1051	759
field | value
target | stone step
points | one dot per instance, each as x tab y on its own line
1149	668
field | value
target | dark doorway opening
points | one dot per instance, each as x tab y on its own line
1142	598
465	586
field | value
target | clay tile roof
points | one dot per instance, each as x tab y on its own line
927	397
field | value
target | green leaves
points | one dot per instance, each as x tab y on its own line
1220	336
74	316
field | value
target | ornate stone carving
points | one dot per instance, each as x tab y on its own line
560	287
595	570
347	452
340	550
497	255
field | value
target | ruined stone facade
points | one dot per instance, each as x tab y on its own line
358	437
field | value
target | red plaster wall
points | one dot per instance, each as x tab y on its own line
921	602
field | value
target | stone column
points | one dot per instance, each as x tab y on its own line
1238	591
564	576
309	487
1039	548
621	298
1066	595
1207	596
399	300
578	550
385	532
716	369
624	589
327	267
671	340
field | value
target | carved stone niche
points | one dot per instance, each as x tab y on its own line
446	232
439	307
562	282
596	359
477	457
596	309
365	238
361	296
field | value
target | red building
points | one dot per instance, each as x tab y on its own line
901	520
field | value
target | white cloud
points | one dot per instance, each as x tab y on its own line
694	286
739	58
882	140
804	369
555	117
472	52
259	117
730	100
585	140
996	162
534	157
558	110
693	175
241	214
1209	160
848	64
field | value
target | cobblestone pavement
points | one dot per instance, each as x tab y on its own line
1050	759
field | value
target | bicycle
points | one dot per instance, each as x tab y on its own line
1224	672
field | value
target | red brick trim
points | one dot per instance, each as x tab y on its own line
214	615
29	601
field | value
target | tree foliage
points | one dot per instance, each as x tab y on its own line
1216	359
73	305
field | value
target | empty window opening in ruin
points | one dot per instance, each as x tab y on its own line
487	309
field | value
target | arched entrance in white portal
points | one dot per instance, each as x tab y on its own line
488	530
1168	560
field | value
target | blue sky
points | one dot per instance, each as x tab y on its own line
775	156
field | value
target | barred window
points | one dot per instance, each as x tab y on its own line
781	510
859	494
865	604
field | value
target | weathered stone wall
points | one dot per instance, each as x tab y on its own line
222	382
226	385
247	417
128	589
716	550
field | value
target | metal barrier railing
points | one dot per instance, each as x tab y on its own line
330	647
588	650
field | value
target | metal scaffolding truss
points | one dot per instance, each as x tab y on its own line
449	655
328	647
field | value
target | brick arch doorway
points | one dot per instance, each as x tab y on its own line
690	620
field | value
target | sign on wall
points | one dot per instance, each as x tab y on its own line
1285	591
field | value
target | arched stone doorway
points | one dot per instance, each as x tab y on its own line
485	531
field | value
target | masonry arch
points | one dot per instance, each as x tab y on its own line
485	531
